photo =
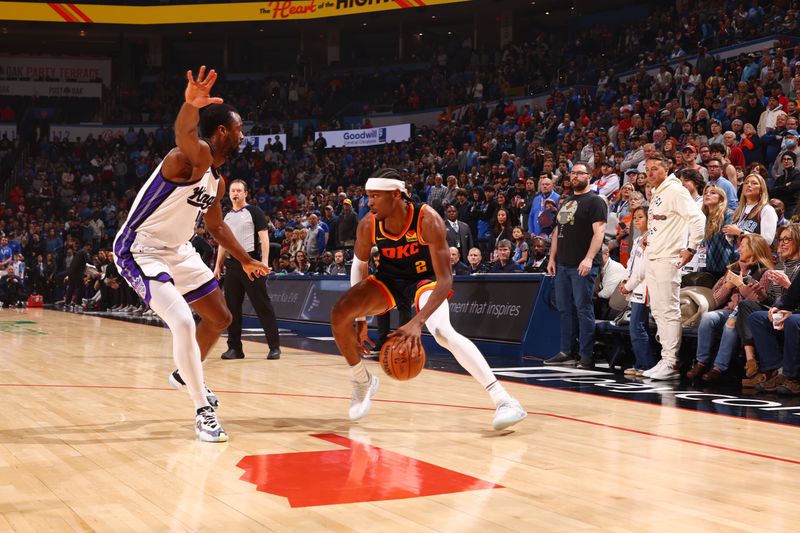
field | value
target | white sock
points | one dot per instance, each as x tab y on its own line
168	303
465	352
498	393
359	373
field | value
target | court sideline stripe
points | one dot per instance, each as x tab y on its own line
430	404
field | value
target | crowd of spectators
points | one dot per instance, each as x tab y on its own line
497	172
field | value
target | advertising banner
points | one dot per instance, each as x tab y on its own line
259	143
196	13
106	131
365	137
492	309
51	88
51	69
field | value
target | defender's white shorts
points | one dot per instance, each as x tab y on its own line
182	266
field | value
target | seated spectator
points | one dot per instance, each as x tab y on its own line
742	281
456	266
790	145
324	262
608	183
715	252
694	182
787	185
19	267
12	290
754	214
6	255
540	255
547	217
520	255
626	232
545	192
766	327
504	264
622	206
502	229
303	265
74	280
338	267
779	281
458	231
606	284
715	167
475	262
777	205
635	288
285	266
750	144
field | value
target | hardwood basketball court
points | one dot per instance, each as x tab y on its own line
94	439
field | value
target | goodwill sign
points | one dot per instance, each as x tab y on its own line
366	137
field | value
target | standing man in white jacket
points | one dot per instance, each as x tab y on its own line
673	213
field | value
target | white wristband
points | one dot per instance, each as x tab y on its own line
356	276
355	270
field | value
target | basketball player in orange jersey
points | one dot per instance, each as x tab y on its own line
414	266
152	248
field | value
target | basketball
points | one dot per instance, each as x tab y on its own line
401	366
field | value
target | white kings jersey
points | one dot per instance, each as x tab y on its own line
164	213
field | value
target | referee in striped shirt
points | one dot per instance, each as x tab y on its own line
249	226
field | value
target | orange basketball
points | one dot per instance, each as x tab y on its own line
399	365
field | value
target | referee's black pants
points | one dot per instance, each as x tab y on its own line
235	286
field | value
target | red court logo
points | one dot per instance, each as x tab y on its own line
358	473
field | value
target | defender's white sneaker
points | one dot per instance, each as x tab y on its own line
176	383
508	413
207	426
362	394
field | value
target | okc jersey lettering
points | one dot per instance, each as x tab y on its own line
403	256
401	252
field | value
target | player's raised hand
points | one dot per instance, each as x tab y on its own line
198	90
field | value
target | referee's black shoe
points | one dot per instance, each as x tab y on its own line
274	353
233	354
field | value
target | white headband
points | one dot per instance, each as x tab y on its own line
385	184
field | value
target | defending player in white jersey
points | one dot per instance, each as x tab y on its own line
152	249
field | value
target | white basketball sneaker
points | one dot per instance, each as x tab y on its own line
207	426
508	413
362	395
176	382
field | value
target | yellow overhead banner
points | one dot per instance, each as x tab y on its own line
181	14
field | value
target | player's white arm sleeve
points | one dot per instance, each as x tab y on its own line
356	275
